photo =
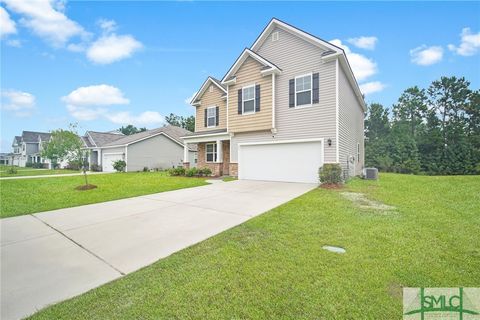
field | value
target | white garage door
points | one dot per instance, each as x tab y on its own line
291	162
108	159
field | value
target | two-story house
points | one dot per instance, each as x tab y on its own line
287	105
27	148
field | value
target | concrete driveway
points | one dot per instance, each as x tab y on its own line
51	256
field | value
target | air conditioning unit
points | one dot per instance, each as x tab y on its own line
370	173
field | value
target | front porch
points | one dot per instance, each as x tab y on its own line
213	152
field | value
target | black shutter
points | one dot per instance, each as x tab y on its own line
216	116
291	93
257	98
315	87
205	117
239	101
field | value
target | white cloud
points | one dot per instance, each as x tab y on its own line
143	119
108	26
85	113
364	42
7	25
20	103
362	66
111	48
189	99
371	87
47	19
14	43
425	56
93	102
469	45
96	95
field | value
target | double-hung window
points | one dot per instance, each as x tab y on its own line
303	90
248	97
211	152
211	116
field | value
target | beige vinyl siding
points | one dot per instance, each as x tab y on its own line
351	121
296	57
211	99
249	74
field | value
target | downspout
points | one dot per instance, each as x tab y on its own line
126	158
274	130
337	142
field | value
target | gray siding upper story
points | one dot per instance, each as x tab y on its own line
156	152
350	125
31	148
295	57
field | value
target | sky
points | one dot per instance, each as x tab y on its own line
107	64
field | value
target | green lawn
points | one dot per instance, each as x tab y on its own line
21	172
274	267
23	196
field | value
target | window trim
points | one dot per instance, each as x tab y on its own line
214	152
254	99
214	117
311	91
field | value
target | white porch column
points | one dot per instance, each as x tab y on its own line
185	153
219	151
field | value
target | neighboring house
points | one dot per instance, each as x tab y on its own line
160	148
27	148
5	158
94	141
286	106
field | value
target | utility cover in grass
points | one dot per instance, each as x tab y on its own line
334	249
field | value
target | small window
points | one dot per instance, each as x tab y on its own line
248	94
358	152
275	36
303	90
211	116
211	152
210	89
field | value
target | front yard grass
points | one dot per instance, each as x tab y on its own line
23	196
22	172
274	267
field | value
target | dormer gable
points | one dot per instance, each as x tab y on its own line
210	85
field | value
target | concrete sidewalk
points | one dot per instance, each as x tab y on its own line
52	256
52	175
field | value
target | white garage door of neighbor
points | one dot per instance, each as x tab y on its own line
108	159
291	162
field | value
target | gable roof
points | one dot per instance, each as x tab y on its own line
335	51
204	87
44	136
268	66
173	132
16	140
32	136
100	139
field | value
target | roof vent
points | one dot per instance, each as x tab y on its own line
275	36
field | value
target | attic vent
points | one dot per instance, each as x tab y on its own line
210	89
275	36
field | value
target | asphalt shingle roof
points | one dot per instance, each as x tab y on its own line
32	136
201	133
103	138
173	132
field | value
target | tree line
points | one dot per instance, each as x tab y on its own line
434	130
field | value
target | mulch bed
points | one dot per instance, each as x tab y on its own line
86	187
